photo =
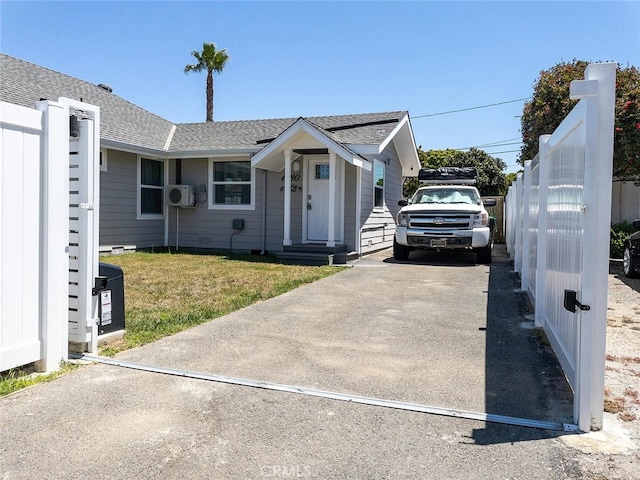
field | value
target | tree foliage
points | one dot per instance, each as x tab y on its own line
491	179
210	60
551	104
511	177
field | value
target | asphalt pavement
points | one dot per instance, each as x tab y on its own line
438	330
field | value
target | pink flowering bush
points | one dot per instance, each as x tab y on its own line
551	104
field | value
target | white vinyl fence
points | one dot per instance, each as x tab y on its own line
34	234
559	215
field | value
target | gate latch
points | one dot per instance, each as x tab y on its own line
571	302
86	206
99	285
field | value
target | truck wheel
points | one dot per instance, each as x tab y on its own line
628	266
400	252
483	255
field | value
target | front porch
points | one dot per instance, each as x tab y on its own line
314	225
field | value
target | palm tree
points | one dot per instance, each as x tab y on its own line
211	60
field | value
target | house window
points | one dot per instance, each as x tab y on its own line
322	171
232	184
151	192
378	184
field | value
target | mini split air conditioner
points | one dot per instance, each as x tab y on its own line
180	196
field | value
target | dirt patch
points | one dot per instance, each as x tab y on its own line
622	375
622	381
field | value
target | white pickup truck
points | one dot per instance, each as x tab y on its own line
446	213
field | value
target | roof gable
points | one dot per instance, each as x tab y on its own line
270	157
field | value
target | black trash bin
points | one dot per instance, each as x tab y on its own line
111	300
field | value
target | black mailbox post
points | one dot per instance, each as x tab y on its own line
112	318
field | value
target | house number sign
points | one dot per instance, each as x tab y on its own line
295	187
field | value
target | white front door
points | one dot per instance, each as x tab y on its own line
318	199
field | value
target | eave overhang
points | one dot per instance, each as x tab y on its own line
174	154
402	138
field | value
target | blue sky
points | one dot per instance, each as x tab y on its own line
291	59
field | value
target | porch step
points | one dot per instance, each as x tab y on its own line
314	248
309	254
308	258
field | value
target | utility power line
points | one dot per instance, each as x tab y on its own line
498	143
501	142
489	145
506	151
471	108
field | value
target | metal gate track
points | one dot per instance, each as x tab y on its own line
414	407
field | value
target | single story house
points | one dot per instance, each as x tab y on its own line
260	186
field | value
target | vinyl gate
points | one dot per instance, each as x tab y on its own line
559	219
35	235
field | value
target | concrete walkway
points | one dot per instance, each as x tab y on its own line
439	330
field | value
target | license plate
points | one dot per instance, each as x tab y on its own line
439	242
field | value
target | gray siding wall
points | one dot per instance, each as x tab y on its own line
275	209
378	225
205	228
119	225
200	227
350	193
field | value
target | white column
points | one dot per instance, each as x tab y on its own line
358	210
541	260
517	263
166	207
55	225
331	240
526	243
287	198
599	130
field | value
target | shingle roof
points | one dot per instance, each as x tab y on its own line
24	83
226	135
365	129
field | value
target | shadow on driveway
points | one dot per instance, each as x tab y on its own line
615	268
523	376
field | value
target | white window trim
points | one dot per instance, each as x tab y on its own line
211	193
379	208
149	216
103	159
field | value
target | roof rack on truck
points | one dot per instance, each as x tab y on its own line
448	175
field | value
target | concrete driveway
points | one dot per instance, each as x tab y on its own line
439	331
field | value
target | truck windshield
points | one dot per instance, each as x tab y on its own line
445	195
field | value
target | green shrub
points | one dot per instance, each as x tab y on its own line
619	234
